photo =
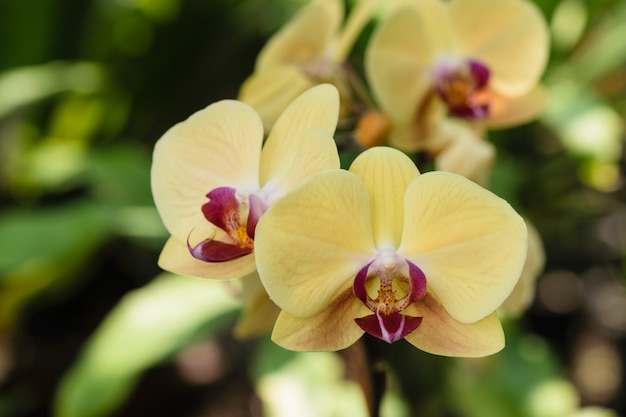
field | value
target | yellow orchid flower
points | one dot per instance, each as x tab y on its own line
386	250
217	154
480	60
310	49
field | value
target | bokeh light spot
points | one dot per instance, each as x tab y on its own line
553	399
597	368
560	291
568	23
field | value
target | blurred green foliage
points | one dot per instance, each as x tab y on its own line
87	87
149	324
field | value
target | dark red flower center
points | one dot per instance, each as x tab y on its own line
237	217
463	88
388	322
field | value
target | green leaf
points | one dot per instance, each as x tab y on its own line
120	175
48	234
148	325
25	85
44	249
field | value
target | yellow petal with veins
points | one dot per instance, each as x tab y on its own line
290	155
215	147
318	106
469	242
440	334
510	36
311	243
304	38
329	330
175	257
386	173
299	158
271	90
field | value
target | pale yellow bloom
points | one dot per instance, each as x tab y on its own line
310	49
212	178
386	250
476	59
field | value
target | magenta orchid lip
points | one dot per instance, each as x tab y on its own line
236	217
388	322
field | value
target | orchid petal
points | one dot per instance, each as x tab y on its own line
440	334
470	244
215	147
299	158
175	257
311	243
259	312
510	111
329	330
305	37
271	90
401	55
386	173
288	149
510	36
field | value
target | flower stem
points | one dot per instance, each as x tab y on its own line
365	365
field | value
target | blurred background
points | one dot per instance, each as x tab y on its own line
90	326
